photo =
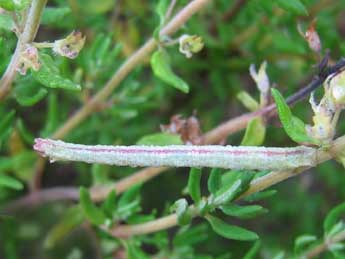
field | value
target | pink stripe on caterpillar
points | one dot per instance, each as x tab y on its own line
189	156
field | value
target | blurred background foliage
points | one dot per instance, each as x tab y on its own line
261	30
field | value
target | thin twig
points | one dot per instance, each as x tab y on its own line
317	250
139	56
30	30
256	186
135	59
213	136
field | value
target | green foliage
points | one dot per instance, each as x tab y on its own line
91	212
255	133
230	231
161	68
293	126
194	184
41	102
10	182
333	222
160	139
182	210
214	181
293	6
243	212
14	5
49	75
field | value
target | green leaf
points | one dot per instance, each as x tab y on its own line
230	177
214	180
260	195
252	253
134	252
194	184
160	139
54	15
71	219
6	22
189	236
228	194
294	6
94	214
333	217
243	212
302	242
161	9
10	182
255	133
294	127
182	210
279	255
109	205
230	231
129	202
29	94
51	123
24	132
49	75
14	5
161	68
248	101
6	125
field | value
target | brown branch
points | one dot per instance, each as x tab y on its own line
255	186
30	30
139	56
213	136
135	59
315	251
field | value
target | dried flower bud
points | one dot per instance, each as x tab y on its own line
69	46
188	129
190	44
312	37
28	59
261	79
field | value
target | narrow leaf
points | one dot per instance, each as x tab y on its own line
194	184
109	205
294	6
214	180
243	212
252	253
92	213
161	68
302	242
160	139
6	125
14	5
260	195
293	126
227	195
49	75
333	217
10	182
255	133
231	231
29	94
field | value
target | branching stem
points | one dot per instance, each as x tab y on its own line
30	30
255	186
